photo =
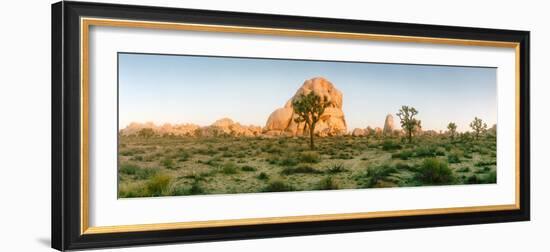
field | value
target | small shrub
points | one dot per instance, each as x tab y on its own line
211	162
336	168
390	145
132	191
229	168
195	188
262	176
404	155
278	186
248	168
168	163
327	183
309	157
227	154
287	161
425	152
490	178
137	172
402	166
129	169
376	174
435	171
486	162
473	179
463	169
184	156
299	169
453	158
207	152
342	155
158	185
131	152
272	150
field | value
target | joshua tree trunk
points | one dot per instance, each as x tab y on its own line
311	129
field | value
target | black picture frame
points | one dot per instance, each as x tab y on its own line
66	114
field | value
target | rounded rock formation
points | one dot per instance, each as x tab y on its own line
388	125
357	132
331	123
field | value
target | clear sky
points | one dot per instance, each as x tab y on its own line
200	90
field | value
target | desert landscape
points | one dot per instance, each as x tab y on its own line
304	145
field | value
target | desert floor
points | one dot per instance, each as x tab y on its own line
163	166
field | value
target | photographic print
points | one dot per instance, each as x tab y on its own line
196	125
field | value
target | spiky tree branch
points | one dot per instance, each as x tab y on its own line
309	109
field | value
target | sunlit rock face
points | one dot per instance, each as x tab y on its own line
388	125
332	121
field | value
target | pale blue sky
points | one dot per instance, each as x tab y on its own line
200	90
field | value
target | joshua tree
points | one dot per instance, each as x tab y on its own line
408	122
452	129
478	126
309	109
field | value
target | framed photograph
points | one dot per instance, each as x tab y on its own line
180	125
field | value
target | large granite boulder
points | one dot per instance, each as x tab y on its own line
332	122
388	125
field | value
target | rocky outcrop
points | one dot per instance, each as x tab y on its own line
332	122
378	131
357	132
165	129
224	126
388	125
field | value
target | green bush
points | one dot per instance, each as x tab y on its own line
299	169
229	168
425	152
278	186
375	174
453	158
440	151
327	183
287	161
473	179
137	172
391	145
262	176
404	155
402	166
158	185
211	162
486	162
168	163
309	157
207	152
435	171
248	168
196	188
184	156
336	168
463	169
342	155
490	178
129	169
132	191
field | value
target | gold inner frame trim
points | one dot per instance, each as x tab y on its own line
86	23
